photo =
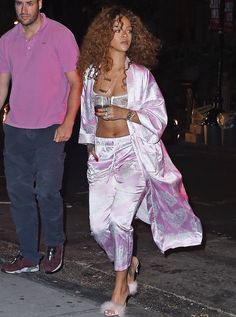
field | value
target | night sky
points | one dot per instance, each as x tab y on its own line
190	50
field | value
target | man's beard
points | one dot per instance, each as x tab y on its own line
28	22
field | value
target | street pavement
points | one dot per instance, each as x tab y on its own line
24	297
188	282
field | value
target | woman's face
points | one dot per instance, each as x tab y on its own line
122	35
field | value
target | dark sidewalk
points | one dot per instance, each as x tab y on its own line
196	282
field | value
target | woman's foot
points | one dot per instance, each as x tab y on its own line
111	309
132	272
116	307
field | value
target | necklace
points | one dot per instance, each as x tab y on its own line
112	82
106	78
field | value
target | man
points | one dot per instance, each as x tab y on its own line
38	57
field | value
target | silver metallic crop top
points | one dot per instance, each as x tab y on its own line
121	100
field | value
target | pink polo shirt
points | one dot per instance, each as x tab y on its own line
40	88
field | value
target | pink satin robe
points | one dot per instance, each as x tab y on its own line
165	206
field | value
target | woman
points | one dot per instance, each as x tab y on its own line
129	171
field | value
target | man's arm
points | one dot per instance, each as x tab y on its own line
64	131
4	86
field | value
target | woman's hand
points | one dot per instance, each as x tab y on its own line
91	150
112	113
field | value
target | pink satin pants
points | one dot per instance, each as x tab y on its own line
116	188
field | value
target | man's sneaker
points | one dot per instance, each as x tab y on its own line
20	265
53	260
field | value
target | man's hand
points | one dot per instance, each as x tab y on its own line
63	133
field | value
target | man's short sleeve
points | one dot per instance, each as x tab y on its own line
68	51
4	65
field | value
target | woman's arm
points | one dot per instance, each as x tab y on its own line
88	120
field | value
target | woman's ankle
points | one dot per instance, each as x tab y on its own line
120	294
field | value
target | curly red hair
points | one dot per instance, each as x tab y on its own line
95	46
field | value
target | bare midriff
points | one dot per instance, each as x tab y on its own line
112	129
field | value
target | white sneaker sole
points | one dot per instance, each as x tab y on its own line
31	269
56	269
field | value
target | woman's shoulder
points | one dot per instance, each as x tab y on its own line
139	68
88	75
90	72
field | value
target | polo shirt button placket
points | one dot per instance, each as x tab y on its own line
28	45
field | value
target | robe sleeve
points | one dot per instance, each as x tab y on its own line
88	120
152	111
